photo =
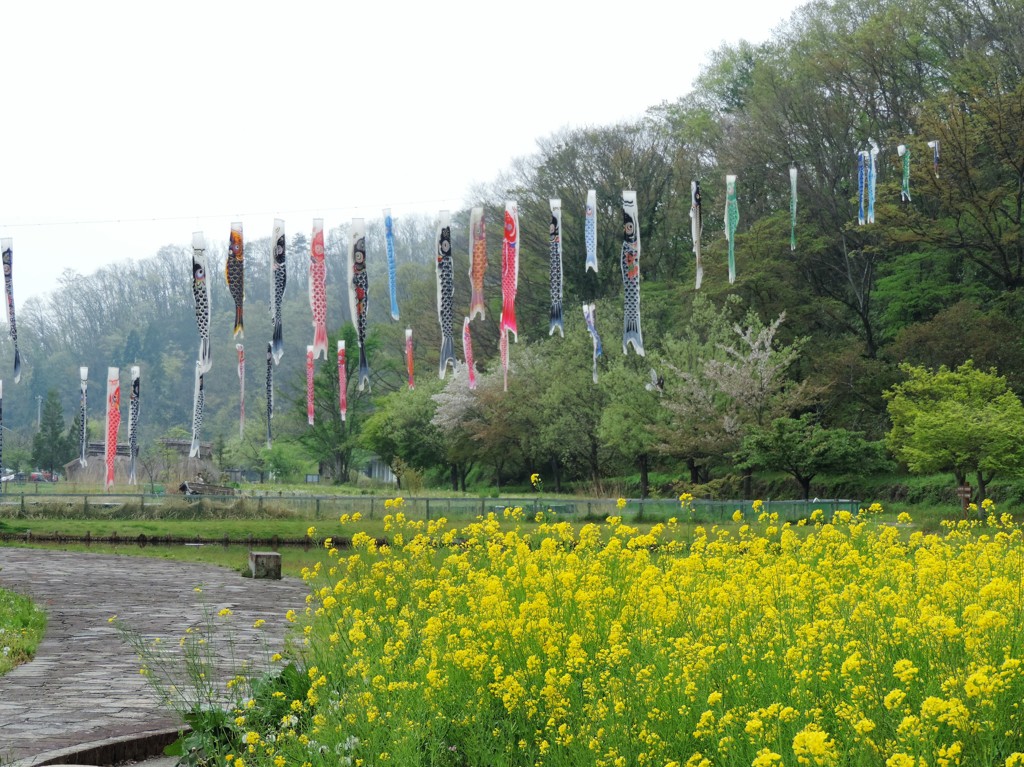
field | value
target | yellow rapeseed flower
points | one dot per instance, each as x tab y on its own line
766	758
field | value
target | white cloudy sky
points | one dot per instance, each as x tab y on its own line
128	125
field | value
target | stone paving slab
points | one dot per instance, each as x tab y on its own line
84	684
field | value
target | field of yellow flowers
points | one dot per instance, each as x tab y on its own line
833	642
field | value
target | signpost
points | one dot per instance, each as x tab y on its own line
964	492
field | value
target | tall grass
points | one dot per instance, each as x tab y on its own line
21	629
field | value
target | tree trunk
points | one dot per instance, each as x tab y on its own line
748	483
555	474
454	474
983	487
644	482
694	474
805	485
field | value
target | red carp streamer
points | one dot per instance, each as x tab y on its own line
113	420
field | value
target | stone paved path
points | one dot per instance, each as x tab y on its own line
84	683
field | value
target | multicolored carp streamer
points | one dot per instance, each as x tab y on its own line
359	293
590	230
113	421
234	273
133	423
934	146
732	220
696	231
503	354
7	246
862	185
241	390
270	393
630	263
278	279
83	423
467	352
590	316
477	262
389	243
408	357
201	293
198	399
904	152
445	292
342	381
310	409
510	269
792	208
555	275
318	288
872	180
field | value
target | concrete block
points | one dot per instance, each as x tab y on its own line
265	564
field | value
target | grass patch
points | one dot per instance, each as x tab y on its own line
21	628
293	559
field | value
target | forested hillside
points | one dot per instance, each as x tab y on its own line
817	332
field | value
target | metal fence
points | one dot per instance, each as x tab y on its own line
23	500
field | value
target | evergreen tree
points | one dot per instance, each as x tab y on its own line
51	448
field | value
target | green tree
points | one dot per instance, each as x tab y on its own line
965	421
51	448
631	416
330	441
803	448
400	431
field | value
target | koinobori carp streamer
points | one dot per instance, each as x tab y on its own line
359	293
696	229
198	400
555	274
630	263
467	353
342	381
241	390
113	421
234	273
133	422
509	269
278	280
310	409
201	293
83	422
445	291
318	288
732	220
590	230
7	249
477	262
408	357
389	246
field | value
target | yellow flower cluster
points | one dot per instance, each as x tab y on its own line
850	642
